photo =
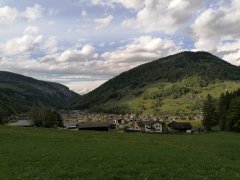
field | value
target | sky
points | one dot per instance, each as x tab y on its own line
84	43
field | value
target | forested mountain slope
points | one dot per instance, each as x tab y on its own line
19	93
174	84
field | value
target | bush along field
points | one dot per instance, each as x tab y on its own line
35	153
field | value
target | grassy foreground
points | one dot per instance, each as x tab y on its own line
27	153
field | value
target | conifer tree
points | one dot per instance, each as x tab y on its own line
209	113
233	115
222	109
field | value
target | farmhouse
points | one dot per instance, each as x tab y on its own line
151	126
179	126
95	126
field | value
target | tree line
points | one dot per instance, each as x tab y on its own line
3	114
224	112
40	117
45	117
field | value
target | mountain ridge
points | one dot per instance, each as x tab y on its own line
200	66
18	93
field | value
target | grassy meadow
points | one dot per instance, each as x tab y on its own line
28	153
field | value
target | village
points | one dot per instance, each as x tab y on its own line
80	120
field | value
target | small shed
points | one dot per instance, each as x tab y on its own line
180	126
95	126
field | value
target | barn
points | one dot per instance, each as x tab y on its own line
179	126
95	126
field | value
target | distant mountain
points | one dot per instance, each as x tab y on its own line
174	84
19	93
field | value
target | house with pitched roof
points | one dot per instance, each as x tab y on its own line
151	126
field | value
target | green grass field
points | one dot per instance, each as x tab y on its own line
28	153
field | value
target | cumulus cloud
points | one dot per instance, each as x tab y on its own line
133	4
29	43
7	14
216	30
143	49
31	13
84	64
103	22
164	16
77	55
21	45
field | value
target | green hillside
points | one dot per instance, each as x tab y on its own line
19	93
174	85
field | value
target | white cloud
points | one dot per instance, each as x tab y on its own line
84	13
78	65
130	4
7	14
31	30
217	30
31	13
77	55
29	43
142	49
103	22
52	12
51	45
230	51
164	16
133	4
23	45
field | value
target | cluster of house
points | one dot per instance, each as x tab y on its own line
129	123
151	126
78	115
